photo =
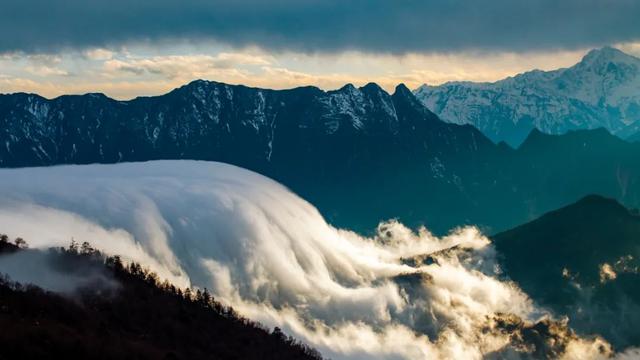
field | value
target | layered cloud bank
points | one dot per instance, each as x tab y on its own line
259	247
322	26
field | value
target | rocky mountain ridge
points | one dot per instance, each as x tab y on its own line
361	155
601	91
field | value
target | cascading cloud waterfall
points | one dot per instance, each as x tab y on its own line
260	248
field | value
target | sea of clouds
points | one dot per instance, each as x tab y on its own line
400	294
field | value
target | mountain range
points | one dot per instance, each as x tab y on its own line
361	155
601	91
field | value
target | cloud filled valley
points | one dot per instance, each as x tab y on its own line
399	294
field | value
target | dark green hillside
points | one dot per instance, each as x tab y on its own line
582	260
140	318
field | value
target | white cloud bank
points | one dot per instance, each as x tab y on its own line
259	247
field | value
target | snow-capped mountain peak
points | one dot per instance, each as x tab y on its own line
605	76
607	54
602	90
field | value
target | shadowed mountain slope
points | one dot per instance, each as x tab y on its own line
360	155
581	260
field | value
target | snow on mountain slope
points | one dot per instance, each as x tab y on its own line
602	90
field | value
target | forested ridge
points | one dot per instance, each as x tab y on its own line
140	317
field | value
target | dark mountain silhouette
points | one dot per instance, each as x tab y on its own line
140	318
582	260
360	155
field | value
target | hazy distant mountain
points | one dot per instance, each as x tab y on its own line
602	90
582	260
360	155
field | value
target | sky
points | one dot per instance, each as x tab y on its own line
128	48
